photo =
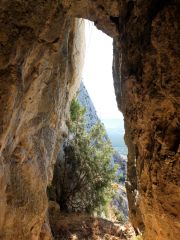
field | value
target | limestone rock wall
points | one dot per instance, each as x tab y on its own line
84	99
40	50
146	74
37	78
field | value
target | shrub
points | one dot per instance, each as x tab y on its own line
86	172
119	216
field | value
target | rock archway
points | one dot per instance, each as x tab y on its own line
41	54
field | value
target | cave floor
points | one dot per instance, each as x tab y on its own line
85	227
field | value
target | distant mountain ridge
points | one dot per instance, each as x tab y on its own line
85	100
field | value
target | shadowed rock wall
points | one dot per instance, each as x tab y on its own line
38	72
146	77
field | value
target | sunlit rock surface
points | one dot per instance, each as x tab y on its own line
41	53
84	99
37	78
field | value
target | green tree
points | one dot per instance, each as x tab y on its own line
86	172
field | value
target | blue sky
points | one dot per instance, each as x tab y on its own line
97	74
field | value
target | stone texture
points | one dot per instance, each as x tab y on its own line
39	54
84	99
38	76
146	74
69	226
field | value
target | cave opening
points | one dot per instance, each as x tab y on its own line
98	79
40	63
97	95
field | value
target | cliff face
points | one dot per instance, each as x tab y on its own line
39	56
84	99
146	77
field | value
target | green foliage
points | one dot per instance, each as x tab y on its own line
87	174
121	178
119	215
76	111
